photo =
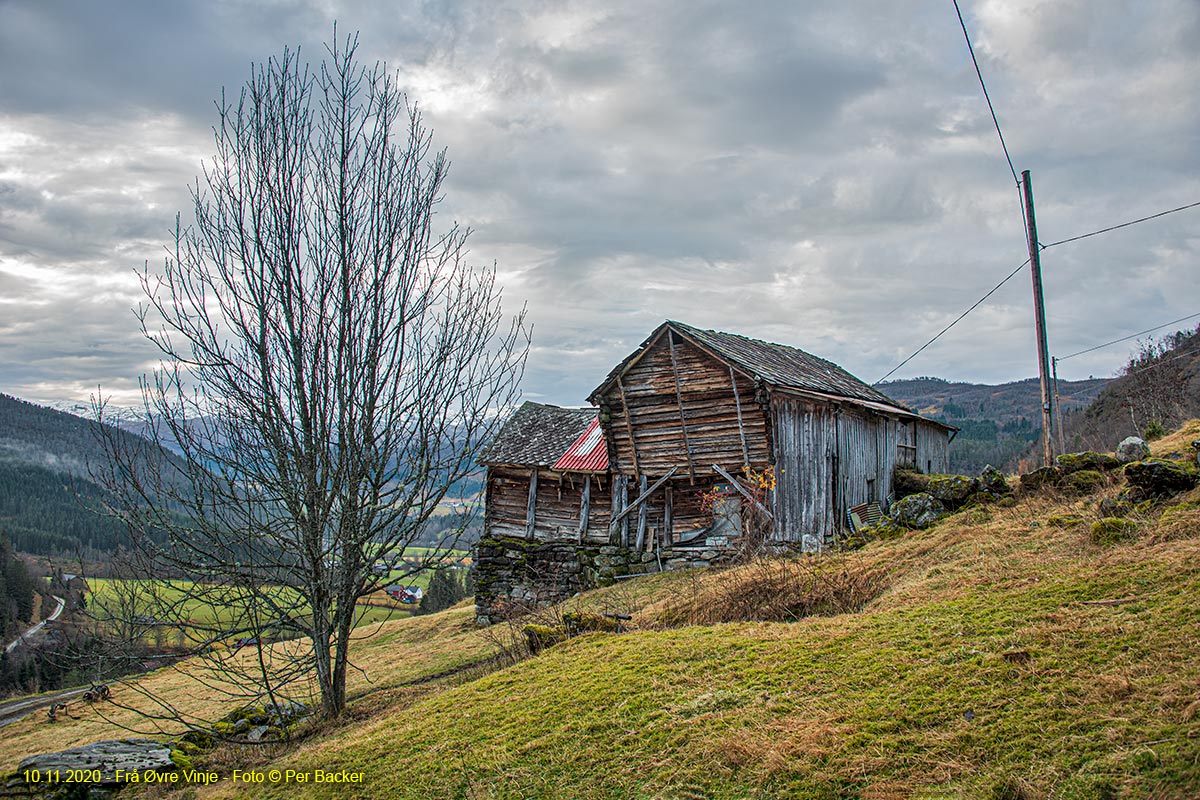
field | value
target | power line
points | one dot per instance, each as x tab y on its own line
958	319
1122	225
1132	336
986	96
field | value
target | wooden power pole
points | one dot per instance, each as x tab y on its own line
1039	313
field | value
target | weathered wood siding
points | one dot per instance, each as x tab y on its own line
933	447
805	444
557	509
708	407
828	459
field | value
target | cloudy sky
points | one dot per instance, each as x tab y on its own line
823	174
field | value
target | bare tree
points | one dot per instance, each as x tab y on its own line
331	366
1155	381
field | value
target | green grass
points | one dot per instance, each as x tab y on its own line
917	698
999	656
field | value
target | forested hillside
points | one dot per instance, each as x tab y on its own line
48	506
998	422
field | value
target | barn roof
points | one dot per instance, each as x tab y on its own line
538	435
778	365
589	453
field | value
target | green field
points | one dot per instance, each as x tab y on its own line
172	601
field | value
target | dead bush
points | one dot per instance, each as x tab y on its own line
777	590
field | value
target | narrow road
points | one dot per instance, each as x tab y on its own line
36	628
14	710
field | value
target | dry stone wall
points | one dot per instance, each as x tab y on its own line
512	573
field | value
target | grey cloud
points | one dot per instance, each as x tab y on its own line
822	174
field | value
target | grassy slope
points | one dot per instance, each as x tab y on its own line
980	668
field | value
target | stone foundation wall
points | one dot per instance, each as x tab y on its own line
513	571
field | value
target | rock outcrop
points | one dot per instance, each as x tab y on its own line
1157	477
105	758
1132	448
917	510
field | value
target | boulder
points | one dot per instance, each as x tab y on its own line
907	481
992	481
1157	477
1077	462
107	757
953	491
1040	478
1085	481
917	510
1132	448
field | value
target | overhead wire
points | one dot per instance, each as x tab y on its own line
957	319
1011	168
962	23
1132	336
1122	225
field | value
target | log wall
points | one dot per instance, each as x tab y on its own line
648	401
557	508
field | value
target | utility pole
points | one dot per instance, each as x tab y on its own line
1039	313
1062	448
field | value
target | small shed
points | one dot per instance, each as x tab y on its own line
547	476
692	407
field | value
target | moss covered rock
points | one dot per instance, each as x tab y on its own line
578	622
1112	530
1157	477
1088	460
909	481
539	637
1085	481
1041	478
992	481
917	510
953	491
1064	520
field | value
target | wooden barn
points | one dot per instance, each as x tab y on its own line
547	476
695	407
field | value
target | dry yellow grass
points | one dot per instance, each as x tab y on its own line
388	655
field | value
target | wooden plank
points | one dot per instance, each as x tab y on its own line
629	427
741	427
642	510
745	492
530	509
687	446
641	498
585	507
668	516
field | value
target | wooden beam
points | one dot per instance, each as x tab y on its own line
745	492
585	507
741	428
629	426
618	482
687	445
641	498
530	510
669	516
642	509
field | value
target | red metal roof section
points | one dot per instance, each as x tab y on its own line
589	453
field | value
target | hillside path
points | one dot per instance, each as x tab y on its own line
36	629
